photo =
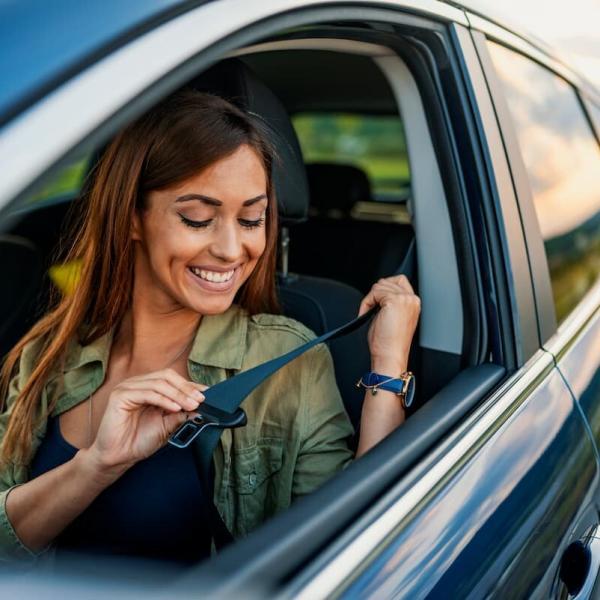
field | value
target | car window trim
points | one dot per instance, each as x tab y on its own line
510	266
536	253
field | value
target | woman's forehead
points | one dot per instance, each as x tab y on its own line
238	177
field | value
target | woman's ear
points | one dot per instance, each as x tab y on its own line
136	226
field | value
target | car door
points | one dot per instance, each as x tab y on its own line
491	512
554	158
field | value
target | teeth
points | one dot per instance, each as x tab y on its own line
213	276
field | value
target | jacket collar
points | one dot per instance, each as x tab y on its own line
220	341
96	351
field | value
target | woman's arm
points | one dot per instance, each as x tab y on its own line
390	337
140	415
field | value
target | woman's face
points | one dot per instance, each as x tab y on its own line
201	240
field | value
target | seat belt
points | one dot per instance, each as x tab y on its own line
221	408
408	266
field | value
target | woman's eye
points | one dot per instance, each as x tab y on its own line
194	224
251	224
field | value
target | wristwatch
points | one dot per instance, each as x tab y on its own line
403	385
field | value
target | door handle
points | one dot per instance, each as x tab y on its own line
580	565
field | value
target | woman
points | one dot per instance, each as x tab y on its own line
176	293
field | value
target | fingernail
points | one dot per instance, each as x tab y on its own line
198	395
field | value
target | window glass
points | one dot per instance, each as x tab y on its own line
562	159
373	143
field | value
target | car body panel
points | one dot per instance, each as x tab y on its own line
42	42
579	362
495	527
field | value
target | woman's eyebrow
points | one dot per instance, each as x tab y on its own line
215	202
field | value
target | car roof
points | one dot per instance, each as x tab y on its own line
43	43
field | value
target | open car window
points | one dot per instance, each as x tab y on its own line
382	148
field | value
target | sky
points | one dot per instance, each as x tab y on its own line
573	27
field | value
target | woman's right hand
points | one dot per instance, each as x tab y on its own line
141	414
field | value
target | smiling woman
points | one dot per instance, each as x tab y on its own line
176	292
212	243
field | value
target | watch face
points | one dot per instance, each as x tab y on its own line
409	395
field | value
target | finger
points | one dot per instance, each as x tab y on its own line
397	288
382	293
189	388
389	287
402	281
187	400
367	303
173	420
139	397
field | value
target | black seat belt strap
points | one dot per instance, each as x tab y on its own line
220	410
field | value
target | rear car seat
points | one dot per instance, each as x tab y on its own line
358	252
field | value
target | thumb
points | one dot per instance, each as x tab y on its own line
173	420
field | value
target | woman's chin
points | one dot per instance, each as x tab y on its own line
211	306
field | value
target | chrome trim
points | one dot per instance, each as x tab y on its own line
70	113
412	492
575	323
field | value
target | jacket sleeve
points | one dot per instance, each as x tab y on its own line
327	429
11	475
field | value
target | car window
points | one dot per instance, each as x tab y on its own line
562	160
373	143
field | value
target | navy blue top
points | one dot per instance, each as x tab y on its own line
153	511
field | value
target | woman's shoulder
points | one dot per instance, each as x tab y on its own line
280	326
270	335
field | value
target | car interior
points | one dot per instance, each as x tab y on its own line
339	233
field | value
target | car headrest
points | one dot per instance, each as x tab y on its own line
335	186
235	81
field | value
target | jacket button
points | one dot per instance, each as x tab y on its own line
252	479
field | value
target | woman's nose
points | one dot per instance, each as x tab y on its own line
227	243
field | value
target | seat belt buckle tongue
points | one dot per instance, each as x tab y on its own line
208	416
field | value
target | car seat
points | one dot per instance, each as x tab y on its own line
358	252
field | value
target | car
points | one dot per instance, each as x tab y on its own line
425	136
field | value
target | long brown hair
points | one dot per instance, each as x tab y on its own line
175	140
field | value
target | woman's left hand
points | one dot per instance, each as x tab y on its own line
392	329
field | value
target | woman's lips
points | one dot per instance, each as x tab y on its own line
214	286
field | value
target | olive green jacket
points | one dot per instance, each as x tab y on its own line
297	432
